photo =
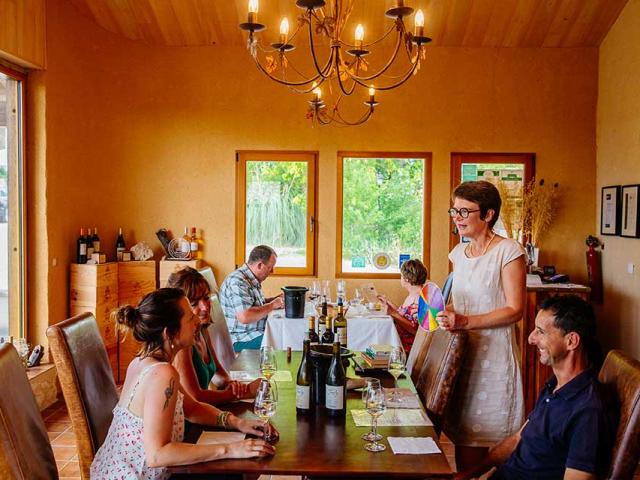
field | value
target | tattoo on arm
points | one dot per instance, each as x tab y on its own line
168	392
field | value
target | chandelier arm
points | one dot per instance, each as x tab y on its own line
285	82
342	121
402	80
386	34
383	69
339	76
321	72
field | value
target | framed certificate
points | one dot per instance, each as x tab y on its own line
610	210
630	213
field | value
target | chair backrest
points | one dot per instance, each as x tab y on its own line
207	273
219	333
439	372
418	351
622	373
86	380
446	288
25	451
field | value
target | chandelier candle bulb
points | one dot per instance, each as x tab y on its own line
284	30
359	36
317	93
253	11
372	94
419	19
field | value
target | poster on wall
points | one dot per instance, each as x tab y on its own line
610	210
630	211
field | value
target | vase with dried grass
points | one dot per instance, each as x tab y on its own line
539	210
511	210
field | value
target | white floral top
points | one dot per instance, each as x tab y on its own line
121	456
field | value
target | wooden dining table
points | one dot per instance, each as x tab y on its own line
317	445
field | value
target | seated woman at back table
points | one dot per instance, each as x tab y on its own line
199	365
147	429
413	276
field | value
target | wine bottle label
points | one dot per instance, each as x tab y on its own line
89	251
334	397
185	246
342	336
321	329
83	249
96	245
303	395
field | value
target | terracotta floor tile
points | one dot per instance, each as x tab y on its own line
53	435
71	469
64	453
57	426
66	439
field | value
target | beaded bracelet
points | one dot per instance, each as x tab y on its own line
222	419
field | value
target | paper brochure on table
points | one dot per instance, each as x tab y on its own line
250	376
393	418
215	438
413	445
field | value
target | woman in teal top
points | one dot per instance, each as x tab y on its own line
201	374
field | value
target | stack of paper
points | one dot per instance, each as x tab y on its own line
413	445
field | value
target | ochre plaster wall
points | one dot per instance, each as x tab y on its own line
144	137
618	163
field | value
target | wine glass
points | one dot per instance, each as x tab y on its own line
341	291
371	436
356	301
268	364
265	404
397	365
314	291
326	290
375	405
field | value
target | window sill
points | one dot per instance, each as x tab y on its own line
44	383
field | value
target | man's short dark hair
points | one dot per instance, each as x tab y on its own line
572	314
261	253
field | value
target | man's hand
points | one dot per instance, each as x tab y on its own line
277	302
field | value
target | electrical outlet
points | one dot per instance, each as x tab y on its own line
631	268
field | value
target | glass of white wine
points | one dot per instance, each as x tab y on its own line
371	436
397	365
375	405
268	364
265	404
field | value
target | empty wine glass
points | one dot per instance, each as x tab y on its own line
371	436
326	290
268	364
397	365
314	291
341	291
265	404
375	405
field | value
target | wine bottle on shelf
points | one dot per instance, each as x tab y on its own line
193	243
82	247
185	243
90	249
120	245
328	336
304	380
322	320
313	336
336	385
340	325
96	240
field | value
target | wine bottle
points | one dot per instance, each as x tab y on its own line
313	336
336	385
328	336
90	249
120	246
193	243
185	243
82	247
322	320
303	381
96	240
340	325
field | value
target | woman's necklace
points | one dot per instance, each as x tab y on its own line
486	247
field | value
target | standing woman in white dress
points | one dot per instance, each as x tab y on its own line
489	292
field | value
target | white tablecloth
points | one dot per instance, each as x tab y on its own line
362	331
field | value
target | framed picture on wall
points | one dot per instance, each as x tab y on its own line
610	211
630	212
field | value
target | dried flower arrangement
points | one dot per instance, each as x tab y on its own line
539	209
511	209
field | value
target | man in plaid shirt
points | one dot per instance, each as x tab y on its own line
245	307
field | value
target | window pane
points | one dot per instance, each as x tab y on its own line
276	211
382	213
509	178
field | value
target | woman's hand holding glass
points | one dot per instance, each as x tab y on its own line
265	406
397	365
253	447
375	405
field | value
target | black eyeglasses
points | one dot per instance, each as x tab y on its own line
463	212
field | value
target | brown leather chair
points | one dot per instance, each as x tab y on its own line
86	380
25	451
622	373
439	371
418	351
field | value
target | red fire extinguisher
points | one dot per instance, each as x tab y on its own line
594	269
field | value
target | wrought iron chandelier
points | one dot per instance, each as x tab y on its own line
344	74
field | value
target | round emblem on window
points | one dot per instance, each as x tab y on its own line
381	261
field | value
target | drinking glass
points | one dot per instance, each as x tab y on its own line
397	365
22	347
268	364
356	301
265	404
326	290
371	436
375	405
341	290
314	291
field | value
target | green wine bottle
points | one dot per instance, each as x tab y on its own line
336	385
303	381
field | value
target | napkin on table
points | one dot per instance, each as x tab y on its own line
413	445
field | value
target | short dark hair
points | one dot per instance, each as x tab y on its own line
484	193
573	314
414	272
261	253
191	282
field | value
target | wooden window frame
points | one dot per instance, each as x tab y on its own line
458	158
311	157
17	241
426	210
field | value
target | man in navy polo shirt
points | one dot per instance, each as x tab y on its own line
570	432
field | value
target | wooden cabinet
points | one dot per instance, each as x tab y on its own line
534	374
167	267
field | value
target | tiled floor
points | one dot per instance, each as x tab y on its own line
63	441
